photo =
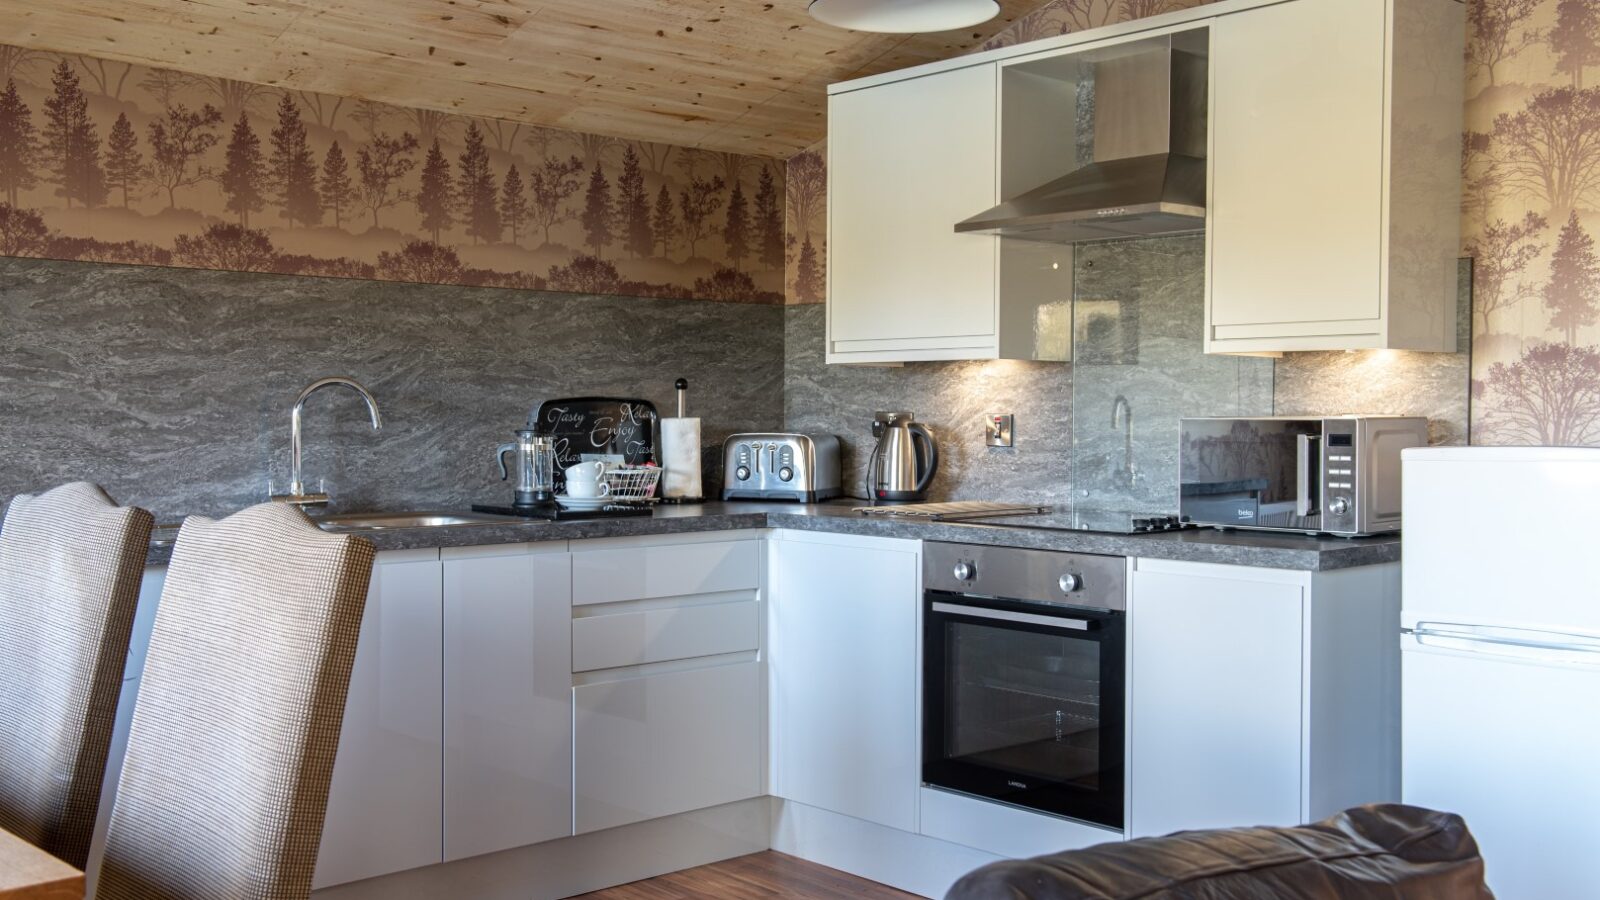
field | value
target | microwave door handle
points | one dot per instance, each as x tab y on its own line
1308	465
955	609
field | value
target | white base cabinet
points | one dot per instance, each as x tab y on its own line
843	638
649	746
383	804
507	704
1260	697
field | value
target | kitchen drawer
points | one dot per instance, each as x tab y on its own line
657	635
657	745
672	570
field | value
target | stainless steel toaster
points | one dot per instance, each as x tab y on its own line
781	466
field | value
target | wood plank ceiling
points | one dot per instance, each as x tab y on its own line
737	75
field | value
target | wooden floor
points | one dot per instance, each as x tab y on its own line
771	875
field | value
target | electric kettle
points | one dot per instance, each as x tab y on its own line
535	467
904	461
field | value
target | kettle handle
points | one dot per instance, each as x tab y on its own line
500	457
920	432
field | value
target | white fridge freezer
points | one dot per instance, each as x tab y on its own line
1500	668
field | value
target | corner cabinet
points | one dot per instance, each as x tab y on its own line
1334	202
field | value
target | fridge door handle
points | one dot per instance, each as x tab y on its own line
1538	642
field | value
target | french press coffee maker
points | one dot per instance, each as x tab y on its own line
535	467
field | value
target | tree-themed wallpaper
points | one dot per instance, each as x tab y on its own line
112	162
1531	206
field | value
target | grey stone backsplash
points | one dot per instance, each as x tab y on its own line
952	400
172	387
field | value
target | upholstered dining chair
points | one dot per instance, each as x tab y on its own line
70	564
231	748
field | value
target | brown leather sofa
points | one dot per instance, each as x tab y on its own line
1386	851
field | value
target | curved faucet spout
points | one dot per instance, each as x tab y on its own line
297	493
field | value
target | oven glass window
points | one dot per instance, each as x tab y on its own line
1023	702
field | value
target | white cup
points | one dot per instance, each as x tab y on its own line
586	490
586	471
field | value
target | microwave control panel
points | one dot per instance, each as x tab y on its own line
1339	475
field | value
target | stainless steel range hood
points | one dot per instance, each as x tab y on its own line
1148	176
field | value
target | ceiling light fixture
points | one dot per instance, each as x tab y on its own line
903	16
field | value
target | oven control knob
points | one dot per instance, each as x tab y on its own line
965	571
1070	582
742	473
1339	505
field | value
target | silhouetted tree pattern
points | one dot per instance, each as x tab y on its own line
336	189
1549	396
585	275
19	144
696	206
435	197
1501	255
124	162
1551	149
71	142
383	161
549	186
476	191
422	261
769	221
633	207
242	175
513	203
1575	39
598	213
177	144
1497	31
808	189
663	222
185	155
1574	280
736	229
22	232
226	246
293	169
809	287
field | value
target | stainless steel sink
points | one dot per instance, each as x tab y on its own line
383	521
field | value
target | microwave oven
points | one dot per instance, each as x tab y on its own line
1319	475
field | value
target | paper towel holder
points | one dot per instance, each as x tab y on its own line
681	386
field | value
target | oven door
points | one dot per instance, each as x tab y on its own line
1024	703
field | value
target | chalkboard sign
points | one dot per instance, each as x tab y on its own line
608	426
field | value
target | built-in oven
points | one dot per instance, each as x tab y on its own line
1024	669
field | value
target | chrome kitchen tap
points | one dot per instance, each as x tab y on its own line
1122	417
297	490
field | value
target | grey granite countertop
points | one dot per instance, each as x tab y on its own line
1273	551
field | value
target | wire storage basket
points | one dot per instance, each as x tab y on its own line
634	484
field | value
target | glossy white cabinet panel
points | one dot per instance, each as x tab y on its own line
664	570
1214	718
383	806
507	712
843	640
611	640
906	162
1333	211
648	746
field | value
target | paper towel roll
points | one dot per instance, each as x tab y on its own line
680	458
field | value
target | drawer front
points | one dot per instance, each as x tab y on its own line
663	744
658	635
675	570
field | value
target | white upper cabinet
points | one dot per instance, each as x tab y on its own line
907	161
1334	218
